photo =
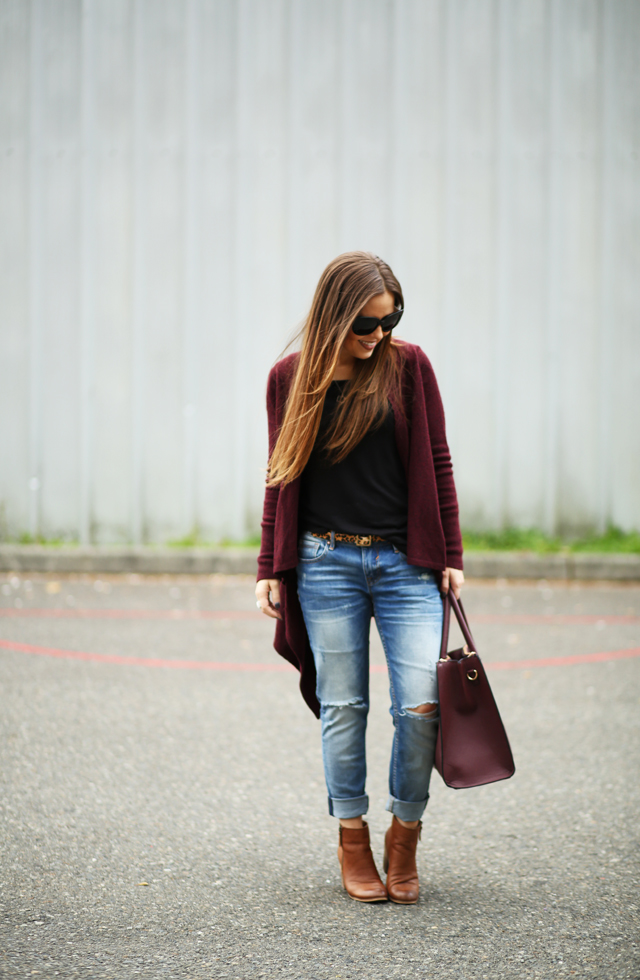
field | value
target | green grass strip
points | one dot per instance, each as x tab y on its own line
614	541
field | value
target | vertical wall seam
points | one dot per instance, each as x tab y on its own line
555	260
607	324
192	264
348	120
398	210
87	266
138	317
391	12
450	286
503	263
293	193
243	262
36	244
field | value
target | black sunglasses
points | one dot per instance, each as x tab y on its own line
362	325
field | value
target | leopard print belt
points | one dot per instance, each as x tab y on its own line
364	540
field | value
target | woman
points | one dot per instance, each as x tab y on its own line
360	520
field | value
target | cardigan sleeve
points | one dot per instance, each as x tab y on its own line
271	494
447	497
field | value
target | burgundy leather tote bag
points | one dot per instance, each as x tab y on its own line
472	746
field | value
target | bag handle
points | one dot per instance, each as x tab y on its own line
449	601
446	619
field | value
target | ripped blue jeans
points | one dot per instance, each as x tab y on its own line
340	588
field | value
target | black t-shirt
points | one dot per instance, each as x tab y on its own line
366	493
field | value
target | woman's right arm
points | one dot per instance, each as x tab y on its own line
268	587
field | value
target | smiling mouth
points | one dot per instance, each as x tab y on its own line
368	344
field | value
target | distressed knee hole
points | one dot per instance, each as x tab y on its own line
426	711
352	703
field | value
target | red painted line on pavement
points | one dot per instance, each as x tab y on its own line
578	658
110	658
131	614
113	658
554	619
511	619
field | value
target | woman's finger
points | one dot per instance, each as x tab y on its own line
262	591
268	597
262	595
271	613
456	577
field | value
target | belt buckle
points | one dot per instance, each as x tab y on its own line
364	540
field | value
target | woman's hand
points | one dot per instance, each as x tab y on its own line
452	577
268	597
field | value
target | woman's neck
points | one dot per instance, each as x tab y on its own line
345	367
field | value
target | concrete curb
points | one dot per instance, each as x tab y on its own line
230	561
568	566
142	560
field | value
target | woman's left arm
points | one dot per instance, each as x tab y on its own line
447	498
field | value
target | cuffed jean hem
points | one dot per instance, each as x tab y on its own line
348	809
405	810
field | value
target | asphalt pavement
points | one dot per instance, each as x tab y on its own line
164	815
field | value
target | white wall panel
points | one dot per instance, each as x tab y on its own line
57	240
110	510
416	189
163	24
624	336
260	254
218	66
313	150
524	371
472	345
577	498
176	173
14	286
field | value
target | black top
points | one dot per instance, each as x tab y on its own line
366	493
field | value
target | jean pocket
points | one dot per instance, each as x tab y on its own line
311	549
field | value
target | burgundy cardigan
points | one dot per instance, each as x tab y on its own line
433	533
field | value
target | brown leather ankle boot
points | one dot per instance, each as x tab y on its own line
359	874
400	863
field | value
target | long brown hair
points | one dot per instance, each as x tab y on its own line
345	286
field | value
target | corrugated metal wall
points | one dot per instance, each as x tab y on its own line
176	174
